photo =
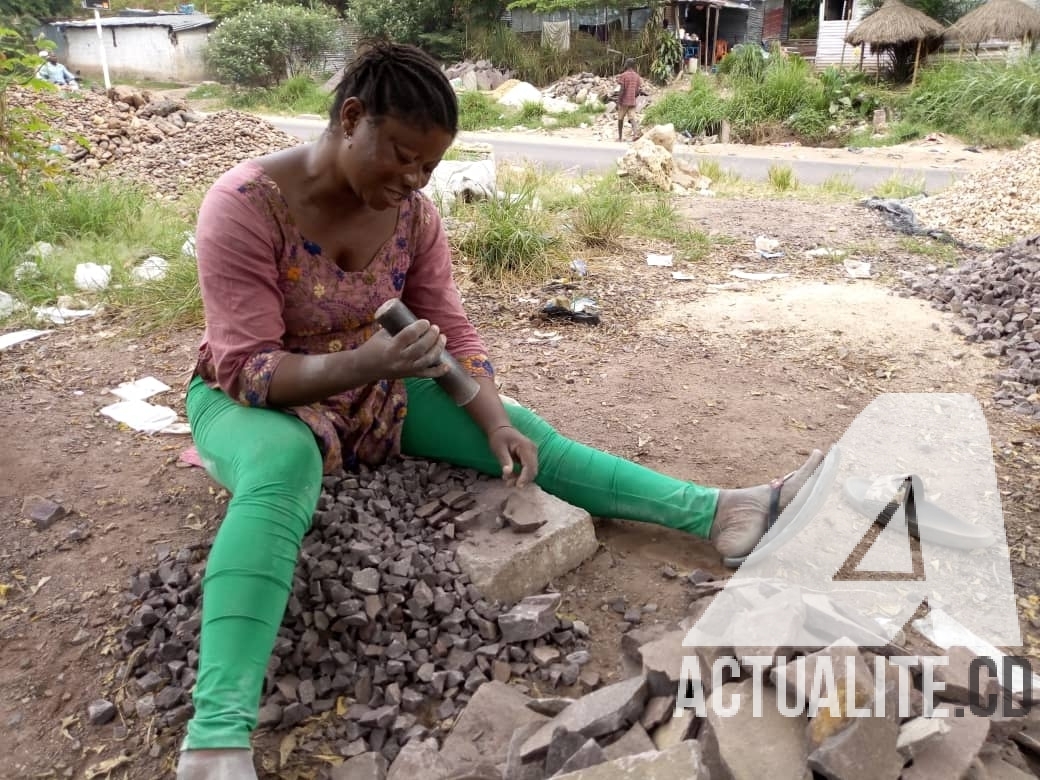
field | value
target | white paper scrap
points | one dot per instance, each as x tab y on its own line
682	276
662	260
60	316
141	415
756	277
139	389
177	428
18	336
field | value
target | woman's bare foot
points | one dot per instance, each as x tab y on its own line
223	764
742	514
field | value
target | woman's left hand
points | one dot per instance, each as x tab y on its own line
510	446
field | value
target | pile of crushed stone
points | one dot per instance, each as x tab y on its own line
993	207
158	142
997	295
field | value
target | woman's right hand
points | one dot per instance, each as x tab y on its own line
414	352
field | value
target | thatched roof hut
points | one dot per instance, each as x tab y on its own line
1001	20
895	25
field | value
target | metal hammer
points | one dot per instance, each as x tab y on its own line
394	316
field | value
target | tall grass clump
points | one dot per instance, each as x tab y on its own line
478	111
107	223
782	178
509	236
744	62
993	103
298	95
601	214
698	110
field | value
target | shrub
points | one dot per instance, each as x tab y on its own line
699	110
982	102
508	236
266	44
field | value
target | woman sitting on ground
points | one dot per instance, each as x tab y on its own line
296	251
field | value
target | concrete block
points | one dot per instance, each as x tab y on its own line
507	566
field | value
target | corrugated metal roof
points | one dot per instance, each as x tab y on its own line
175	22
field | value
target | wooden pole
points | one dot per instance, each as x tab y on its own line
715	43
917	62
707	32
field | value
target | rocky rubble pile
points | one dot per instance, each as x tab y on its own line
382	623
160	142
997	297
650	160
752	720
479	75
992	207
581	87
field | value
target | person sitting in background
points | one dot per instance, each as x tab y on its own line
54	72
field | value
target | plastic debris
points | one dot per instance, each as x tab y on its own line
18	336
682	276
40	250
60	315
579	267
763	244
857	269
151	269
6	304
91	276
579	310
26	270
769	255
758	277
825	252
660	260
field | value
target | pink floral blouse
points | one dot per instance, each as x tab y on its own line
269	291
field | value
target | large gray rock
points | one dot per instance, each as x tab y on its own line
588	755
682	762
633	741
865	749
506	567
484	729
532	618
662	662
598	714
952	754
420	759
367	766
515	768
780	743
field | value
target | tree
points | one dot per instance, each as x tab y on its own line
404	21
267	43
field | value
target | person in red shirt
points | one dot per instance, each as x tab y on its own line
630	84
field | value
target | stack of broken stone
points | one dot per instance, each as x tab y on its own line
419	641
480	75
996	297
397	614
631	729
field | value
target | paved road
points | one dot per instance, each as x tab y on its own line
601	155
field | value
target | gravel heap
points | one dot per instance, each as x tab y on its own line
998	297
582	86
380	614
161	142
992	207
482	75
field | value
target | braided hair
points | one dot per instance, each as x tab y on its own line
398	80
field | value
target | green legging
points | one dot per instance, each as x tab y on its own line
270	463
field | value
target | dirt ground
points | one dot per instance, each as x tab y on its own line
727	385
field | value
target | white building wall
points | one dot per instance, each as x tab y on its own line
139	52
830	41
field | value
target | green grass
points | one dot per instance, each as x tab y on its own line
840	185
782	178
507	237
655	216
990	103
601	214
697	110
897	187
298	95
480	111
923	247
113	224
